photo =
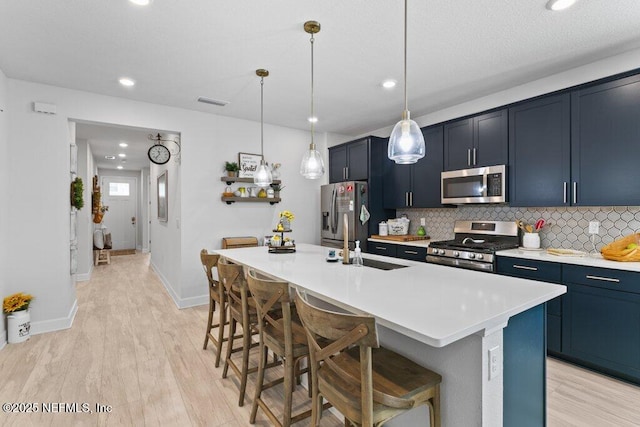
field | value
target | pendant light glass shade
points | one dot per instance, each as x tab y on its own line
312	165
406	143
262	176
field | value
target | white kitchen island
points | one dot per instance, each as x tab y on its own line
444	318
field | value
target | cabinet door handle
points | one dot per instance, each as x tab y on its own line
468	156
525	267
346	173
575	192
411	252
564	192
474	157
603	279
406	198
381	248
410	198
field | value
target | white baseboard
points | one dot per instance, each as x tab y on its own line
3	341
145	250
180	302
52	325
84	277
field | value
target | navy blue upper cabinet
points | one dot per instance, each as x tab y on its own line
477	141
349	161
605	143
416	185
540	152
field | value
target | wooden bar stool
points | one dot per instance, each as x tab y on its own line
216	294
241	309
368	384
280	332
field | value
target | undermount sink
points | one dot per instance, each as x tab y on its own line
380	265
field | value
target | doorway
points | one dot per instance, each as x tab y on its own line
121	195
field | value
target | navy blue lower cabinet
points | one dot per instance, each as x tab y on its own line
386	249
601	326
544	272
413	253
524	390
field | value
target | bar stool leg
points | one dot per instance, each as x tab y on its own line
232	333
209	322
289	374
222	320
246	343
259	382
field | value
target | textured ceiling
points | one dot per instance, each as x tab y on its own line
178	51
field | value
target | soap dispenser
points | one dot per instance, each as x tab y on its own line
357	255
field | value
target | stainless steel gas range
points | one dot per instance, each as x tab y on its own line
475	244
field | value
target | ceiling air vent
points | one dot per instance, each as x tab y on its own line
217	102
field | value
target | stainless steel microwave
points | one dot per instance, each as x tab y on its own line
478	185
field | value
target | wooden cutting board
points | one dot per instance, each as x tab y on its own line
405	238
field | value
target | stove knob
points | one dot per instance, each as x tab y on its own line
472	256
456	254
441	251
480	256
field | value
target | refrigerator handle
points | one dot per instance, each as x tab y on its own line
334	211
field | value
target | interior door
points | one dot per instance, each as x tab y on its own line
121	195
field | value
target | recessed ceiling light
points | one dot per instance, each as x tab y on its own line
110	157
123	144
388	84
557	5
312	119
141	2
126	81
119	167
122	155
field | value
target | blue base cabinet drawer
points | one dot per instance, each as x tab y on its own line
386	249
413	253
617	280
530	269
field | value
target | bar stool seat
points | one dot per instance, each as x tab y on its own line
367	383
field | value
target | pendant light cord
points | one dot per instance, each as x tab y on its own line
406	103
262	117
312	110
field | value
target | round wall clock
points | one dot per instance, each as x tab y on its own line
159	154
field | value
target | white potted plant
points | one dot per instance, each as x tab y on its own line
16	307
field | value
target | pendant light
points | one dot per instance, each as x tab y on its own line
312	165
262	177
406	143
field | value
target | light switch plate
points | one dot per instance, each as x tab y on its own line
594	227
423	222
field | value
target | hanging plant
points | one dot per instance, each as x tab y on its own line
77	190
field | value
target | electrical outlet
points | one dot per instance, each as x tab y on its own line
594	227
495	364
423	222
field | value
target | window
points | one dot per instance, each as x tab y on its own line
118	189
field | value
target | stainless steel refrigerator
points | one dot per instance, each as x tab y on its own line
337	199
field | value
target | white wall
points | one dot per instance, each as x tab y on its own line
145	209
86	170
4	196
596	70
40	158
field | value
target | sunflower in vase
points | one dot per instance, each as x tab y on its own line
16	302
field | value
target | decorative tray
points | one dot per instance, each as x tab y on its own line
282	249
566	252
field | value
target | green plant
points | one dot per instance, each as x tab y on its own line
77	190
231	166
277	187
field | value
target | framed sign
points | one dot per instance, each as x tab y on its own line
163	204
248	164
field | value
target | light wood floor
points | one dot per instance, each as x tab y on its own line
131	348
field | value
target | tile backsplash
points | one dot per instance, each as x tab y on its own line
567	226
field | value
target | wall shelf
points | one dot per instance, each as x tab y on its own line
231	179
229	200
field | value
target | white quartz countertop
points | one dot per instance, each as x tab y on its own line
418	243
589	260
433	304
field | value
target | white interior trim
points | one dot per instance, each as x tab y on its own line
58	324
